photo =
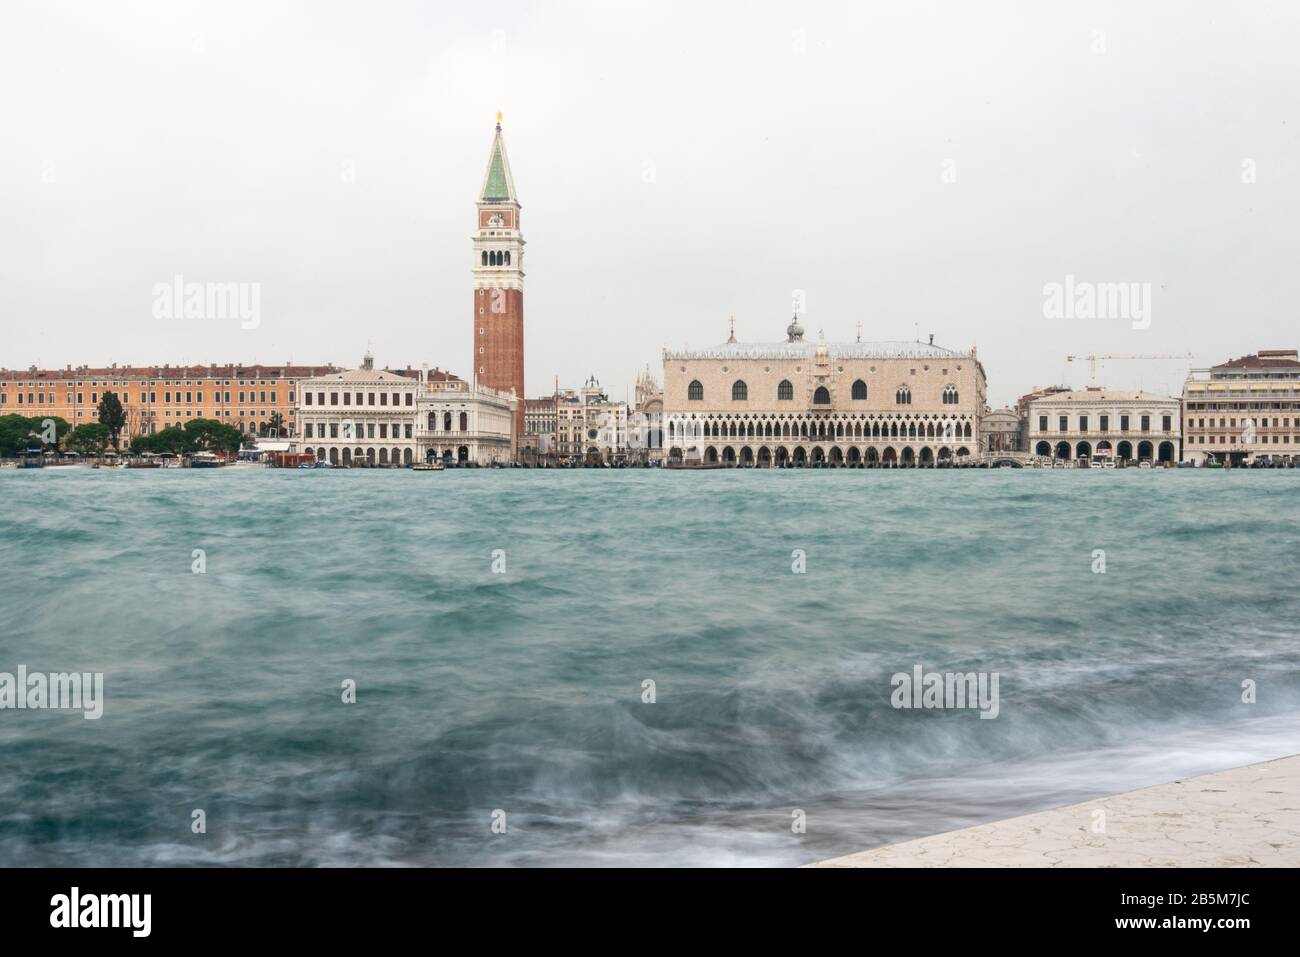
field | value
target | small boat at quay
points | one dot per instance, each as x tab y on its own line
428	467
206	460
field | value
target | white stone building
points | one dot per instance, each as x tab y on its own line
645	430
380	418
1105	423
465	426
590	426
362	416
1001	429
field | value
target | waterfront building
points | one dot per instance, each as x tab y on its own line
795	402
362	416
251	398
380	417
1105	423
539	427
1244	410
1022	409
1002	431
645	424
590	426
499	282
466	425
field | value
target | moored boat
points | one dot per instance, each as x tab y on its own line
206	460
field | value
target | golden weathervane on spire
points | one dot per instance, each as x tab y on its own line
498	117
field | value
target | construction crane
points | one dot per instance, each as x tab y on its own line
1092	358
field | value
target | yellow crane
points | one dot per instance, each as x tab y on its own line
1092	358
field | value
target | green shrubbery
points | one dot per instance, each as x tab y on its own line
18	433
197	435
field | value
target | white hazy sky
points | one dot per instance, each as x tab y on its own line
794	146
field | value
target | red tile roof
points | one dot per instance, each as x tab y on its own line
1265	358
200	372
172	372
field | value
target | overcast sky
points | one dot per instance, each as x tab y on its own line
919	168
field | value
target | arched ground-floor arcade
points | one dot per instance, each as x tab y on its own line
799	455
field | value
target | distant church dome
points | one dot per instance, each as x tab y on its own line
794	331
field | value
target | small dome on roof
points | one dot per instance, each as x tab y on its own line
794	331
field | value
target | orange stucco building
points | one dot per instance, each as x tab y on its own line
155	397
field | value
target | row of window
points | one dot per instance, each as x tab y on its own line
1124	451
355	430
251	428
1103	423
947	430
1240	440
370	456
399	430
348	398
1232	423
38	398
1240	406
198	413
847	416
79	385
785	393
446	422
495	257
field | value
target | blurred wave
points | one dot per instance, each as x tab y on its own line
522	691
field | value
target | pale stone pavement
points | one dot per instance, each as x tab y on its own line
1245	817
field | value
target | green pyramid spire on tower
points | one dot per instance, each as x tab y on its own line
498	185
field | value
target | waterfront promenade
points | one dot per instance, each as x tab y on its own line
1245	817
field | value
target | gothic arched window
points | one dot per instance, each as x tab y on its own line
950	395
785	391
903	396
739	391
859	389
695	391
822	396
507	257
485	262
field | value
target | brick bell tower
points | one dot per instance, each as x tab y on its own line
499	281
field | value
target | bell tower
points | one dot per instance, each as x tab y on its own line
498	360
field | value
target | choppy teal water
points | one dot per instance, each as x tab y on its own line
522	692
